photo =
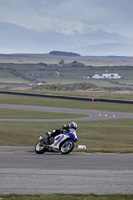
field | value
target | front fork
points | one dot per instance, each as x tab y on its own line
67	143
42	142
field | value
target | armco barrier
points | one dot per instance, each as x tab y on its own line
115	101
46	95
68	97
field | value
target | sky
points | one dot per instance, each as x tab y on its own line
68	16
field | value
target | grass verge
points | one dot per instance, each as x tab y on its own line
98	136
101	136
90	94
67	197
32	114
64	103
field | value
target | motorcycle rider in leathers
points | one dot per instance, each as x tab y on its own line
63	129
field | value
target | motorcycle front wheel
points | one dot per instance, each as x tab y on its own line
40	147
67	147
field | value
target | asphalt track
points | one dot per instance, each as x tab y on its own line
92	114
25	172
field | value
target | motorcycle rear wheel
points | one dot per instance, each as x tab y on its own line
65	149
40	148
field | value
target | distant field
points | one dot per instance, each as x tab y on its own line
12	80
88	60
31	75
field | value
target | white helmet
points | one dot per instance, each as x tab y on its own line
73	125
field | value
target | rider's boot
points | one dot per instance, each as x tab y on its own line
47	140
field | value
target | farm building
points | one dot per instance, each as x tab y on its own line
107	75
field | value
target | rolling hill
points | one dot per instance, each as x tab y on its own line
17	39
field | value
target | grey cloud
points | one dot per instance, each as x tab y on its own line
84	22
109	15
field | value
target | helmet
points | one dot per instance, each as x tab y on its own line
73	125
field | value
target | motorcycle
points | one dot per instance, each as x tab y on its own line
63	143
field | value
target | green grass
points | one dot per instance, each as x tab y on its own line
109	135
64	103
5	74
13	80
32	114
67	197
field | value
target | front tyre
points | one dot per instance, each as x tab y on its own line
67	147
40	147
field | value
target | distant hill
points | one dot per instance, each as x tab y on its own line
62	53
17	39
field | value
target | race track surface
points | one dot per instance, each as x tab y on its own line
26	172
92	114
23	171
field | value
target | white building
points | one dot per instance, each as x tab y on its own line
107	75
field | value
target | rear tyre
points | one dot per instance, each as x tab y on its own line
40	147
67	147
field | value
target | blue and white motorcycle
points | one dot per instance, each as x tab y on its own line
63	143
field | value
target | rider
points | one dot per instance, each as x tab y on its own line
63	129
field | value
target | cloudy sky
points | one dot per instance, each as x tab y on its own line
68	17
114	16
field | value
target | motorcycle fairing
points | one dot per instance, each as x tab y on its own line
73	134
58	139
